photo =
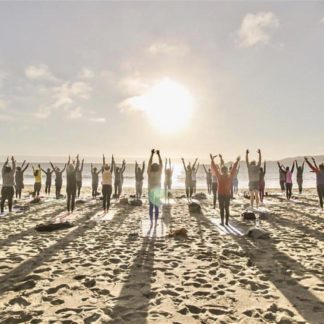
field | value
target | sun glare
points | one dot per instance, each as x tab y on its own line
168	106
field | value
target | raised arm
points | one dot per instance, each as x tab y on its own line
150	161
143	167
197	168
123	168
184	165
63	168
260	158
214	166
233	171
296	164
247	158
313	168
315	164
205	169
82	165
293	167
160	160
13	163
52	165
222	163
264	167
195	163
303	165
43	170
280	167
23	164
25	168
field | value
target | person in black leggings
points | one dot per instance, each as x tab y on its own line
58	179
48	181
19	178
300	171
319	171
79	176
95	180
8	181
71	186
106	182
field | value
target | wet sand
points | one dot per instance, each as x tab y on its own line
118	269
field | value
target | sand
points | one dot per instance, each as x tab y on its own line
116	269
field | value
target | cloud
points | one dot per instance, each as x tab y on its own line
257	29
3	104
164	48
133	84
42	113
322	20
98	119
75	113
39	72
86	73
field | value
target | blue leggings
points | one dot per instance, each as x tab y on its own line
152	206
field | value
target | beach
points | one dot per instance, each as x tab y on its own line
116	269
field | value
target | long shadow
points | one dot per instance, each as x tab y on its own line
17	274
303	301
166	217
18	236
133	301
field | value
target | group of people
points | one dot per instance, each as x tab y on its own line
221	179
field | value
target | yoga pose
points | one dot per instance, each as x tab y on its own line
288	179
208	179
254	178
168	172
119	178
58	179
106	182
139	177
194	171
262	181
19	178
38	180
48	182
95	180
8	182
79	176
319	171
235	181
300	172
71	186
154	172
188	181
224	187
282	179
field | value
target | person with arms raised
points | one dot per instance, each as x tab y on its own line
19	178
254	178
8	182
224	179
154	173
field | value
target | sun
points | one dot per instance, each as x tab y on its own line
168	106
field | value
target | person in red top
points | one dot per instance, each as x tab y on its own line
224	186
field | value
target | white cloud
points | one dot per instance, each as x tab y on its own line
86	73
164	48
75	113
257	29
39	72
133	84
98	119
42	113
322	20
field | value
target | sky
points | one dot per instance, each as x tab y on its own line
113	77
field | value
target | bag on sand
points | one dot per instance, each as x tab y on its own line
247	215
179	232
257	233
53	227
135	202
194	207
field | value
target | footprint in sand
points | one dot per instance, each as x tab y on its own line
56	289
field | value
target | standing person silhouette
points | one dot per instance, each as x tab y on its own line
71	185
8	182
254	178
58	179
262	181
139	177
168	172
38	180
19	178
188	180
48	181
224	187
319	171
208	179
94	180
154	173
300	172
288	179
79	171
106	182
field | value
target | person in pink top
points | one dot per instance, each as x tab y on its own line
288	179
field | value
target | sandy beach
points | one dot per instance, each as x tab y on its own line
116	269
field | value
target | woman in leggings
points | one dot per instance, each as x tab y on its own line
139	177
79	176
71	186
300	172
188	182
319	171
38	180
106	184
58	179
48	182
262	181
224	187
288	179
19	178
8	182
208	179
